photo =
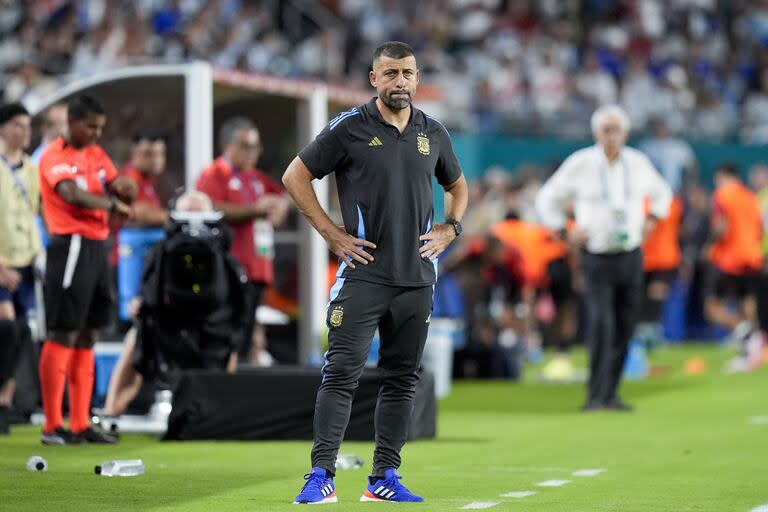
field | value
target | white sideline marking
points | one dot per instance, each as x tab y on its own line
588	472
506	469
759	420
553	483
761	508
476	505
517	494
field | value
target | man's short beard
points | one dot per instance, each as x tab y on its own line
396	105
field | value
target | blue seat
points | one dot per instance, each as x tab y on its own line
133	248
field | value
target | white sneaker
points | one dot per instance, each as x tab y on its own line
265	359
741	332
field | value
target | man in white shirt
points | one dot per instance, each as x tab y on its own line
608	185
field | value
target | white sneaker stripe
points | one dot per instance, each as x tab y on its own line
379	489
390	494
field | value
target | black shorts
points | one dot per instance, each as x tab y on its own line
734	286
665	276
78	293
254	295
560	281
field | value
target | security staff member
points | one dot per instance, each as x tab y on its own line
608	185
384	154
19	244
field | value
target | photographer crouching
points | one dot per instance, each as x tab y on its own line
191	313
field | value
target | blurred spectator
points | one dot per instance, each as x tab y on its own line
148	157
54	125
758	180
253	205
671	155
19	244
735	256
644	53
496	347
594	84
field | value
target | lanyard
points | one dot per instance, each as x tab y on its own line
248	183
20	185
604	170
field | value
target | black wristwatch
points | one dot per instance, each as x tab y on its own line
456	226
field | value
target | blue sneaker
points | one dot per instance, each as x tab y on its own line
318	489
389	489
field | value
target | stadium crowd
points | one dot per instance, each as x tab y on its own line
517	67
514	66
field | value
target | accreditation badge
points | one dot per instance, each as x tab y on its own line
620	228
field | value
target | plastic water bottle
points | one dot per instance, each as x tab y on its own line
348	461
120	468
37	463
636	364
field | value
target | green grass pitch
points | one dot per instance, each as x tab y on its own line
694	444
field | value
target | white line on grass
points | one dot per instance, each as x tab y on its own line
759	420
553	483
517	494
476	505
496	469
527	469
588	472
761	508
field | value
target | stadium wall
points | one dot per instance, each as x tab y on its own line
477	153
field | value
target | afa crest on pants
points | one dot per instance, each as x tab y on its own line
337	316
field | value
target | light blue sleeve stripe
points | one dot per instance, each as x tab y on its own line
438	122
341	117
360	224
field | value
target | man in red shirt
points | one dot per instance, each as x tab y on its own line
146	165
252	204
79	188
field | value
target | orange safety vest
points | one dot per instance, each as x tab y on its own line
661	250
536	245
738	250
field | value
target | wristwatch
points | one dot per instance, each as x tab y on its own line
112	204
456	226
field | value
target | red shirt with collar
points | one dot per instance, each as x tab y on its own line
91	169
223	184
146	193
147	186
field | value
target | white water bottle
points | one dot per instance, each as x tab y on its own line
348	461
120	468
37	463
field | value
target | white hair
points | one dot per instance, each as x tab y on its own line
606	111
193	200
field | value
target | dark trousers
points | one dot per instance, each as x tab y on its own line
356	309
613	294
762	301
